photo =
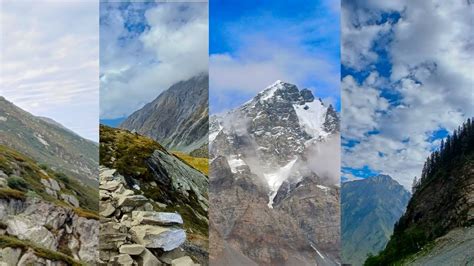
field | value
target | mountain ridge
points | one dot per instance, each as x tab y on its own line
370	208
48	142
164	119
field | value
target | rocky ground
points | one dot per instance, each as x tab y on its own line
46	217
133	232
455	248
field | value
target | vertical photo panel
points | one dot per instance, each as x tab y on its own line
154	133
274	142
49	155
407	132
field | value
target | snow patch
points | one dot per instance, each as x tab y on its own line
311	117
234	162
270	91
3	119
275	180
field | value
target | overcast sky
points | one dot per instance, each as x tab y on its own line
255	43
50	60
145	48
407	81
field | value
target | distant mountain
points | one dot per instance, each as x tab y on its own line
49	143
178	118
370	208
437	227
273	181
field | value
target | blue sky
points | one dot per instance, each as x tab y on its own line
254	43
49	61
145	48
405	86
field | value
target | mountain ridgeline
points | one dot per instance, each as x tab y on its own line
369	209
437	227
49	143
177	118
272	202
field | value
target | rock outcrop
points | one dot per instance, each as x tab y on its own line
132	231
45	216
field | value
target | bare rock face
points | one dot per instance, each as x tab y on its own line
55	228
166	121
270	207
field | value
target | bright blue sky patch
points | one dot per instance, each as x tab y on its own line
253	44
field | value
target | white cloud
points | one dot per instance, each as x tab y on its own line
49	53
136	71
267	48
432	60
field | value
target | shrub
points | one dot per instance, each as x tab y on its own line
63	177
17	183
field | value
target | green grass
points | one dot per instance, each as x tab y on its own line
8	193
29	175
200	164
12	242
131	151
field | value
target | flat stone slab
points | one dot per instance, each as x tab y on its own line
131	249
164	238
160	218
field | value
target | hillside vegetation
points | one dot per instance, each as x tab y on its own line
441	201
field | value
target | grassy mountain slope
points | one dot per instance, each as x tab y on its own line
48	143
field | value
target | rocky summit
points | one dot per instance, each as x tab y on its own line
273	201
177	118
153	204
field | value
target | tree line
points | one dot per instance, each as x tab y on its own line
454	147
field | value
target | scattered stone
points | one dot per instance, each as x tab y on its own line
123	259
10	256
108	209
108	174
131	201
131	249
148	259
110	185
70	199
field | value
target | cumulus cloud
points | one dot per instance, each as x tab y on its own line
392	119
147	48
49	53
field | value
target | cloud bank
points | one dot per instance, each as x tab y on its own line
407	81
49	52
145	48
